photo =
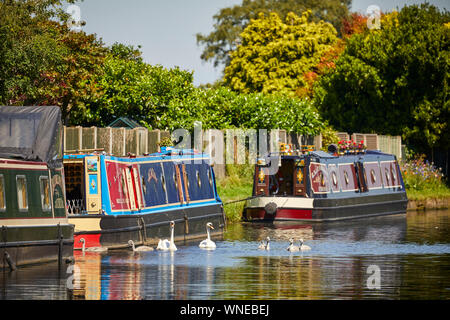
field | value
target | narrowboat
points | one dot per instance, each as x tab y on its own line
34	226
318	186
112	200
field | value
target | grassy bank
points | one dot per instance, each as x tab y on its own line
236	185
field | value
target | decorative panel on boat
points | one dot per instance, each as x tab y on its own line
390	175
154	186
199	185
347	177
333	174
117	185
373	175
319	178
171	182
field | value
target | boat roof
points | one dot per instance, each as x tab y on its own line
176	154
31	133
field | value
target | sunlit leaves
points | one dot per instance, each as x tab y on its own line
275	54
394	80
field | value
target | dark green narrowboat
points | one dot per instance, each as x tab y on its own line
34	227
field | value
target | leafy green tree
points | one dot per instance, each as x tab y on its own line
43	62
230	22
394	80
133	88
26	47
222	109
274	55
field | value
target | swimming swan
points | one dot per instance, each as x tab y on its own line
262	245
92	249
140	248
292	247
166	245
304	247
266	246
208	243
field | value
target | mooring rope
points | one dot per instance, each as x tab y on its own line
240	200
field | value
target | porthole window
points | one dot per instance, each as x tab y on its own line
175	181
210	177
394	176
144	186
199	181
2	194
334	178
347	181
22	196
322	178
373	176
45	194
163	181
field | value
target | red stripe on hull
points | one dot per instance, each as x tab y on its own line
281	214
293	214
91	240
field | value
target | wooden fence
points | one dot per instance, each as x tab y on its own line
121	141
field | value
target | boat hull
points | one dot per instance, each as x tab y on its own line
25	245
320	210
114	231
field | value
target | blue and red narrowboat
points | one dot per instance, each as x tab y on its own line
112	200
318	186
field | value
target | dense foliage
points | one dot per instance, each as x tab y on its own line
42	62
222	108
231	21
394	80
275	54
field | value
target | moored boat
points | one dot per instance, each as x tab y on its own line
34	227
112	200
316	186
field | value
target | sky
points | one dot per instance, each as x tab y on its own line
166	29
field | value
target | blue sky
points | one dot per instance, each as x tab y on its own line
166	29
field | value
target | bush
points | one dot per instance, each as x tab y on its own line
419	175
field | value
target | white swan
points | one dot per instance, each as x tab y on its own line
266	246
92	249
304	247
208	243
140	248
292	247
262	245
166	245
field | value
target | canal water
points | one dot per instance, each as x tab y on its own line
392	257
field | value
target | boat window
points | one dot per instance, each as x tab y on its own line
210	177
175	181
334	177
163	180
2	194
45	194
199	182
347	181
22	197
387	175
394	178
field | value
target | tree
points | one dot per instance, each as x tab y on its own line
274	55
26	48
230	22
131	87
42	61
394	80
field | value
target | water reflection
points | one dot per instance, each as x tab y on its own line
412	252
